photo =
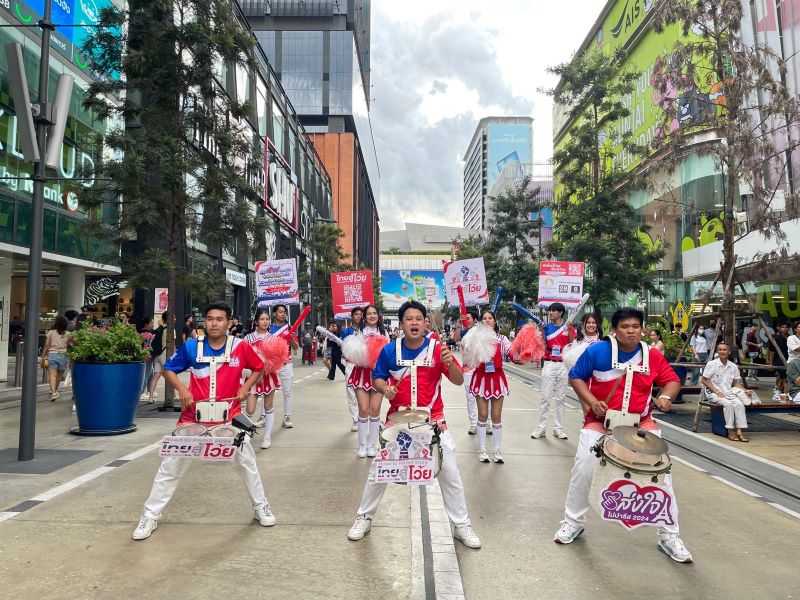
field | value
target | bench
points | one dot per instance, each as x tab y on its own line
718	418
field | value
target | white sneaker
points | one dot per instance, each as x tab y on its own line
53	396
674	548
567	533
776	396
372	451
483	457
354	426
539	432
266	443
144	396
360	528
145	528
362	451
467	536
497	457
559	433
287	422
261	420
265	517
472	430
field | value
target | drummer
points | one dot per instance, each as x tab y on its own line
413	344
600	388
228	378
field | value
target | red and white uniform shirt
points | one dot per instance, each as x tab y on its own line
556	337
361	377
489	379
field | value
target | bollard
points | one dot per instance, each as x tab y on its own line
18	365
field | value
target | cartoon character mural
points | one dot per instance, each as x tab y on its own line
711	230
680	314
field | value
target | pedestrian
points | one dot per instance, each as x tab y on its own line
263	392
308	346
710	334
55	353
87	314
72	317
597	385
793	342
334	351
699	345
457	336
427	392
753	348
356	316
189	331
146	326
488	384
557	334
280	323
655	340
233	356
793	379
781	343
680	332
723	385
158	354
236	329
368	398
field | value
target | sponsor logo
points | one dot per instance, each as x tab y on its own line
632	506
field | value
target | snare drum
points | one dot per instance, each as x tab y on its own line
628	484
407	440
223	431
192	429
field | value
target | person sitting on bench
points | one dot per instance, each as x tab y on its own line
723	385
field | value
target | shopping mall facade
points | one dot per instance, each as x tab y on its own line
684	208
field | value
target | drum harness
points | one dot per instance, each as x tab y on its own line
211	410
411	366
615	418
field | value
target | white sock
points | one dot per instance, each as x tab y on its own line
374	427
497	435
269	420
482	436
363	426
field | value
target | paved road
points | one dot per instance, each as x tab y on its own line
77	544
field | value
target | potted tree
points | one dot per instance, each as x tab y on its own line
108	368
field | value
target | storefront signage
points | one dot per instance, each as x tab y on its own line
560	281
281	190
236	278
349	290
784	303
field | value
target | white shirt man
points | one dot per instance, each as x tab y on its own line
723	385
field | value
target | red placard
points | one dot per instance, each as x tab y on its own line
351	289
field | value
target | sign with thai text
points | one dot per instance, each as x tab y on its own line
624	502
206	448
560	281
470	274
276	282
349	290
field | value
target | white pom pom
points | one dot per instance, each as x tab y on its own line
480	345
355	349
572	352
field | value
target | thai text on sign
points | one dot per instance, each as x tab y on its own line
560	281
351	289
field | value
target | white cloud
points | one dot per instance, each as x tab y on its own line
440	66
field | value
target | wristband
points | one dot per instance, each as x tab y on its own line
665	396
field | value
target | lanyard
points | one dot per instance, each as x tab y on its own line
213	361
412	365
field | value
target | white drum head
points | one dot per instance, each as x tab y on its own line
223	431
192	429
409	415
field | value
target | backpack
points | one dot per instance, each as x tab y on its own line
157	346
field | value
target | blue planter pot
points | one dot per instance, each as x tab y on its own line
106	397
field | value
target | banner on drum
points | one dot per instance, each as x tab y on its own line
560	281
413	471
349	290
202	447
471	276
625	502
276	282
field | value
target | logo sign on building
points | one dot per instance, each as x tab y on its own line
161	301
560	281
281	192
426	287
276	282
471	276
236	278
350	289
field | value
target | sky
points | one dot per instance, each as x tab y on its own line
438	67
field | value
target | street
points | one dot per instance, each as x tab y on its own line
77	544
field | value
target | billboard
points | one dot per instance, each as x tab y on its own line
350	289
423	286
507	144
470	274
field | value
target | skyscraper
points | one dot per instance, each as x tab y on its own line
320	50
496	143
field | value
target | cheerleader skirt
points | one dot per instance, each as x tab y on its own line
488	385
360	378
267	384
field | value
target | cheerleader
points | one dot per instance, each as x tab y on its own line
369	399
489	385
264	389
356	316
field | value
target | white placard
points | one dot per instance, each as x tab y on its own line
236	278
471	276
202	447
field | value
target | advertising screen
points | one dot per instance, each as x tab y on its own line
426	287
508	144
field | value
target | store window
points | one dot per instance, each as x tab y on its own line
6	219
278	126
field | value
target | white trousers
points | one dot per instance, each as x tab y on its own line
554	388
352	401
285	375
580	483
455	503
732	407
172	469
472	405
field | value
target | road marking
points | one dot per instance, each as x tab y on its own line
72	484
141	452
784	509
736	487
688	464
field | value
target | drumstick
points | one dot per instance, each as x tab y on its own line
525	312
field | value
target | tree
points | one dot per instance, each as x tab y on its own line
329	258
755	116
180	155
594	221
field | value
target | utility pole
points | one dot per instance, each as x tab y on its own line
37	150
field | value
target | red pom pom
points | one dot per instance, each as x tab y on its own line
375	344
273	352
528	345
